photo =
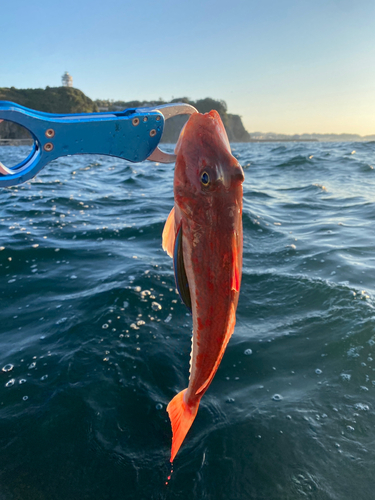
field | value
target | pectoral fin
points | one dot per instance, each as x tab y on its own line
179	271
169	235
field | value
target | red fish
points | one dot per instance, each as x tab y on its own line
203	233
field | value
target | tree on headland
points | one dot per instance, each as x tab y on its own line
207	104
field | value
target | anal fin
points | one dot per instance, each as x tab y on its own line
228	334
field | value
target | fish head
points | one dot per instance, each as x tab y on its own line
205	166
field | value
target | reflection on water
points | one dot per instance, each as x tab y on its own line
94	341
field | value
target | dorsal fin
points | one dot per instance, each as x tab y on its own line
179	270
169	234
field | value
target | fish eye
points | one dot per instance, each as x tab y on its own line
205	178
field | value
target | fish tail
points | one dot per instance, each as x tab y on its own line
181	416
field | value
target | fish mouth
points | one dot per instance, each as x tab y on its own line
238	176
232	177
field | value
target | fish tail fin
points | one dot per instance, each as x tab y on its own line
181	416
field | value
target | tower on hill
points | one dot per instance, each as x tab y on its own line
67	80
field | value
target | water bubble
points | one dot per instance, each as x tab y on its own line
10	382
247	352
346	376
361	407
44	377
62	320
25	398
277	397
22	381
155	306
32	365
7	368
318	371
168	318
159	406
105	326
353	352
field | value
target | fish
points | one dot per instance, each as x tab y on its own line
203	234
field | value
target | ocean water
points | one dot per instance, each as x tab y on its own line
94	340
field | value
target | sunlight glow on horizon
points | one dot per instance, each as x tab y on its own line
286	66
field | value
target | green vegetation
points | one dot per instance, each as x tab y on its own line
50	99
70	100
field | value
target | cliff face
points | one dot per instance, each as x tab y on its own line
9	130
235	129
233	126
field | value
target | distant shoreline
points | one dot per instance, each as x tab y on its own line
29	142
16	142
285	140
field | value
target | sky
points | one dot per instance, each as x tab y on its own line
285	66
